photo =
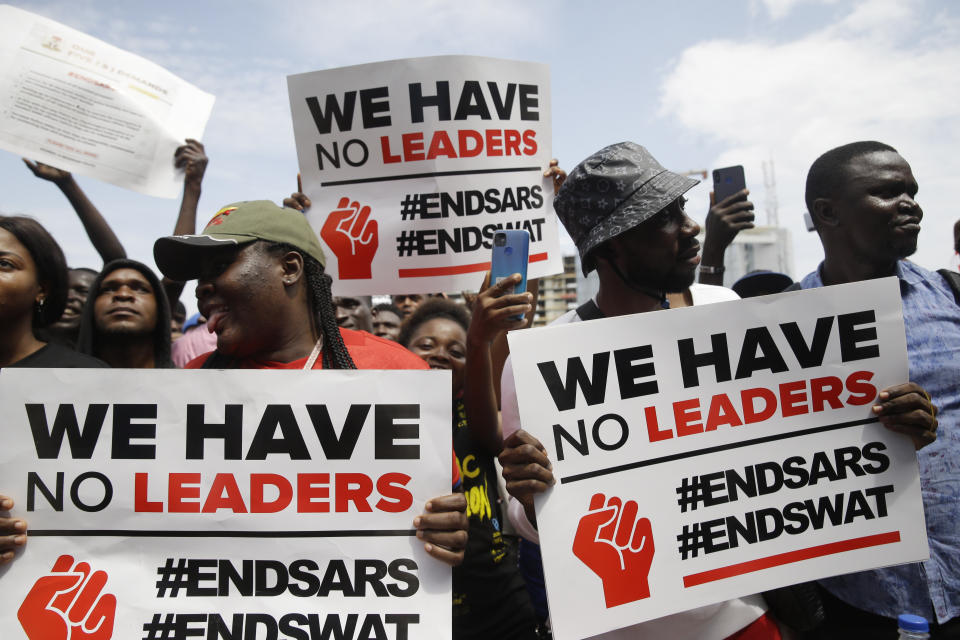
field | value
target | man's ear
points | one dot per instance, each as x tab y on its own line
292	266
824	213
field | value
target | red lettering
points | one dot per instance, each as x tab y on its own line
530	140
824	391
494	142
511	142
396	498
181	494
861	391
412	146
356	494
464	136
654	432
750	412
793	398
722	412
313	492
388	158
140	502
224	494
441	145
686	414
258	481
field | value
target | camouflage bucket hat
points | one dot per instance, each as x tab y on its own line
613	191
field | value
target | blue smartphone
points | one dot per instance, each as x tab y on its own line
728	181
511	248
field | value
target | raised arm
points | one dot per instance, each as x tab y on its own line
494	312
193	160
104	240
725	220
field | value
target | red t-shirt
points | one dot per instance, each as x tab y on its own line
368	352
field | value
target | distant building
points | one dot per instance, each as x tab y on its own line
558	293
762	247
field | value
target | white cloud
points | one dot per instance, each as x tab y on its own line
779	9
879	73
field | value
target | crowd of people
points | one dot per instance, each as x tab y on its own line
266	302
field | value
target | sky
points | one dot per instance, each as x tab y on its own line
701	84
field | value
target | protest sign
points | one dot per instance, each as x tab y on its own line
241	504
712	452
412	166
82	105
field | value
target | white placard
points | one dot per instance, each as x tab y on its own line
732	446
82	105
412	166
256	502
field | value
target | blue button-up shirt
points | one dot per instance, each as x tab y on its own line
932	320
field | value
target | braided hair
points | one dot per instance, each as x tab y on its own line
335	354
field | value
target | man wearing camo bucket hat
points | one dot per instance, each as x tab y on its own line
625	213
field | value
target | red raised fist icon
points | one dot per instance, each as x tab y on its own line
69	604
618	547
352	236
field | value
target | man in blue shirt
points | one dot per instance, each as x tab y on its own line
861	198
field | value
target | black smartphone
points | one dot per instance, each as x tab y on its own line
727	181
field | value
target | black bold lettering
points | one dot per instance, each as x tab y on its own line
231	431
82	441
581	445
472	102
628	372
503	106
388	431
871	452
418	101
335	448
691	361
107	492
124	430
290	441
759	352
529	102
372	102
403	570
343	116
851	336
565	394
812	355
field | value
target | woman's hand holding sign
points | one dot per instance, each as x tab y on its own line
13	532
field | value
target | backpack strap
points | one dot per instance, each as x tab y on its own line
590	311
953	281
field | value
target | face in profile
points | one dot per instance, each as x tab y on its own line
876	210
241	294
125	304
662	252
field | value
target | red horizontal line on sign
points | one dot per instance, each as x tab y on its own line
423	272
790	556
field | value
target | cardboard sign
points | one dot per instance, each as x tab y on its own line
244	504
413	165
712	452
82	105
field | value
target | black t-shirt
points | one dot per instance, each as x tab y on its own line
489	596
51	356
